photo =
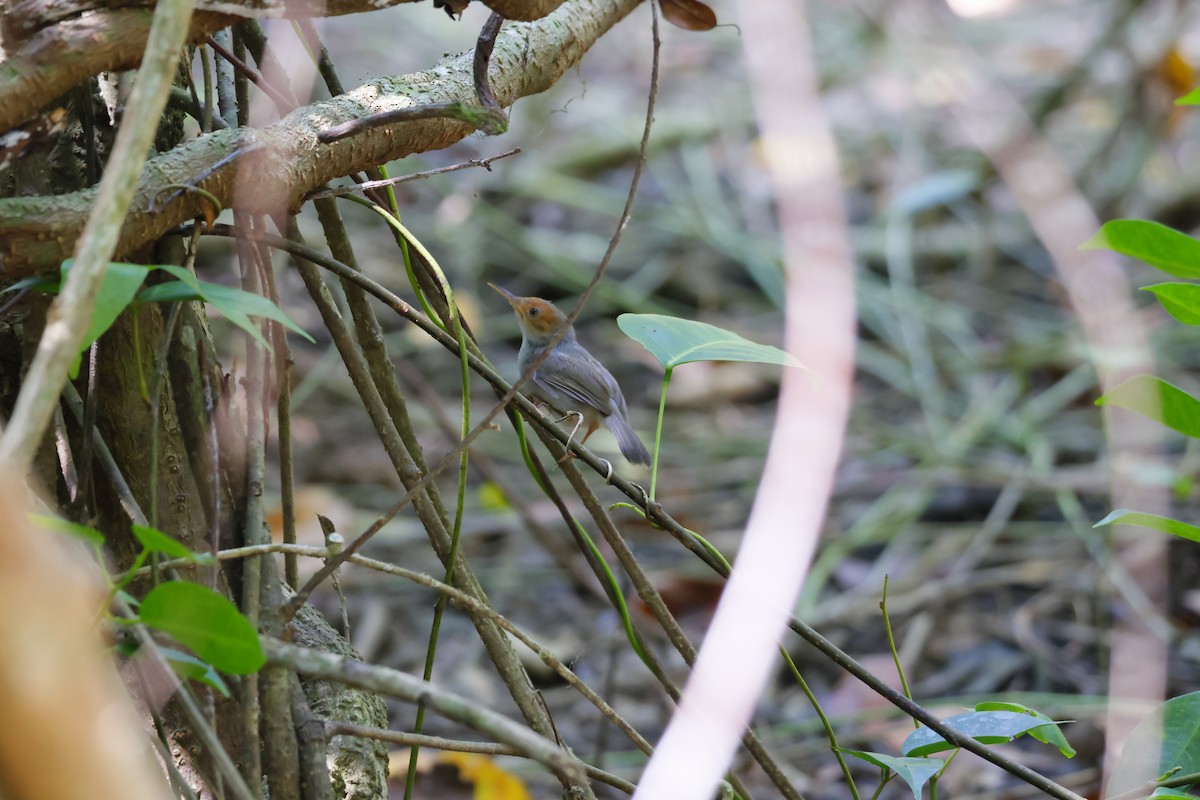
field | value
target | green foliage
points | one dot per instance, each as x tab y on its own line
1181	300
675	341
1167	249
206	623
988	727
1160	401
187	666
156	541
1123	516
916	772
237	305
1162	744
89	535
120	288
1047	734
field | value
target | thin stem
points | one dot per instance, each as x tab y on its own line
662	410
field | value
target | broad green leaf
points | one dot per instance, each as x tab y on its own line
89	535
156	541
192	667
988	727
236	304
1124	516
1181	300
1192	98
205	622
1160	401
117	290
674	341
1049	733
1159	246
1165	793
1163	742
916	772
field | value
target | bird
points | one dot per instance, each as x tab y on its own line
570	379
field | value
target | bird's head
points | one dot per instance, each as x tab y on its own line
538	318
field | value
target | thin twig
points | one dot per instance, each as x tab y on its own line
282	103
338	191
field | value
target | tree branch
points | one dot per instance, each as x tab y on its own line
288	161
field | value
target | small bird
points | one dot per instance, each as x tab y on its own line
570	379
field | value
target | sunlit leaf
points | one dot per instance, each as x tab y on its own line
691	15
674	341
1192	98
916	772
206	623
1181	300
1123	516
1160	401
491	781
1159	246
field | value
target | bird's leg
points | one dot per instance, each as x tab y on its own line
575	430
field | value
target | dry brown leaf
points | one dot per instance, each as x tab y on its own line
691	15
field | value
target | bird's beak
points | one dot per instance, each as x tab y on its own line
507	295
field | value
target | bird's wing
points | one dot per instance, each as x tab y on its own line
576	374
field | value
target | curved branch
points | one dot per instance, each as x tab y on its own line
37	233
62	56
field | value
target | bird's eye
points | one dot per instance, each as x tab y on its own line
533	312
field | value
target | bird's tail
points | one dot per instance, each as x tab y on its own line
631	446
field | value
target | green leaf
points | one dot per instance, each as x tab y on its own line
236	304
156	541
1165	793
117	290
205	622
988	727
916	772
192	667
1181	300
49	284
1160	401
1124	516
1163	742
89	535
1192	98
1049	733
1159	246
675	341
